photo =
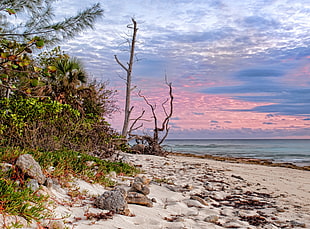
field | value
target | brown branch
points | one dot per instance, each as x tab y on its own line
132	127
120	63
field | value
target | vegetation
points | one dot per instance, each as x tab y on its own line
38	20
48	106
17	199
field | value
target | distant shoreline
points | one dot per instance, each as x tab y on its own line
244	160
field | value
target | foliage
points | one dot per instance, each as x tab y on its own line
38	20
66	162
19	200
17	68
66	81
46	124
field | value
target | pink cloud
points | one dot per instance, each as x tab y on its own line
195	111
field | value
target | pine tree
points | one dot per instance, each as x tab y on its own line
38	20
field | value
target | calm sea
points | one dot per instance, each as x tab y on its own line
292	150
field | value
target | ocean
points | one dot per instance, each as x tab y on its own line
296	151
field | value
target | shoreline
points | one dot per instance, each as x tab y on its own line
256	161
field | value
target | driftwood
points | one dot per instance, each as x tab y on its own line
160	132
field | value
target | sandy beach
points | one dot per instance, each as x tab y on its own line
190	192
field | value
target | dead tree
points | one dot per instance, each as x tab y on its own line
128	70
160	132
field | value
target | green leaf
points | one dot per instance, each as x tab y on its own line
10	11
34	82
39	44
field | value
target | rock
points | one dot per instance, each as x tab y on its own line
5	166
202	201
56	224
114	200
49	182
209	186
33	185
228	212
30	167
234	224
139	185
113	174
297	224
138	198
193	203
211	218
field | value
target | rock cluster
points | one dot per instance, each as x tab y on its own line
215	199
138	192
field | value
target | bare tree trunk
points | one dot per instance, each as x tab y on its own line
154	143
128	70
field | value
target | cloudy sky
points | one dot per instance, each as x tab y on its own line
239	69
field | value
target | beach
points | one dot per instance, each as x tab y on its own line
189	192
186	192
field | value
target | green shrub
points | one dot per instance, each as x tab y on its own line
49	125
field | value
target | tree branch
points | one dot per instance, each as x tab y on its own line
123	66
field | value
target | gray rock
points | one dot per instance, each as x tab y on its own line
139	185
5	166
30	167
33	185
193	203
49	182
114	200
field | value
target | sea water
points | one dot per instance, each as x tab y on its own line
296	151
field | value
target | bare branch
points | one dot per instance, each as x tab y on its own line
123	66
132	127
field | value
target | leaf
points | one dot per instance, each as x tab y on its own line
34	82
39	44
12	57
4	55
52	68
10	11
37	69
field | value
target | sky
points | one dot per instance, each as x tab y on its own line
239	69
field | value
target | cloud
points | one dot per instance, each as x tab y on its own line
242	133
268	123
259	22
227	59
198	113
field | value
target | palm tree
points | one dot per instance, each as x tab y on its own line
67	82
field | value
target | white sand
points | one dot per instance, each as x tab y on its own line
283	192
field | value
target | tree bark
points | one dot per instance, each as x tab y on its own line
128	70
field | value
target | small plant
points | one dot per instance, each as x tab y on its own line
162	180
15	199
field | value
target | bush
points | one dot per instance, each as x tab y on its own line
49	125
